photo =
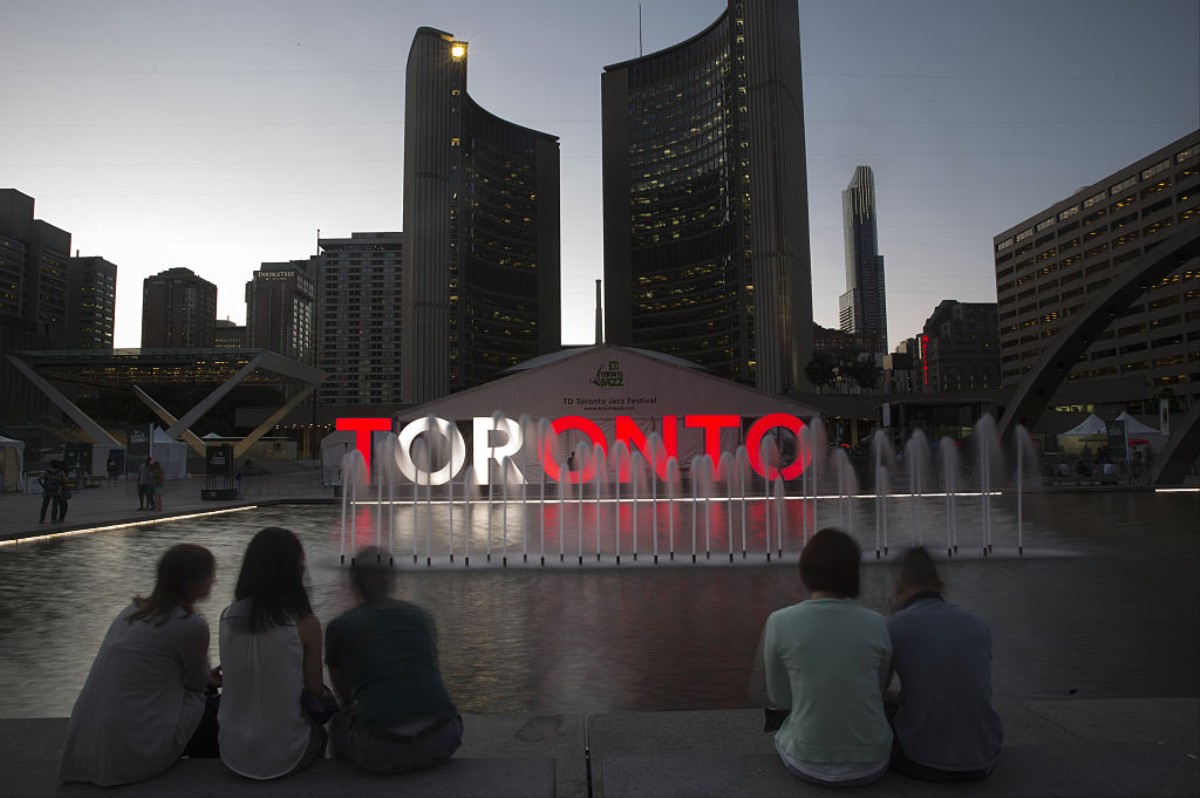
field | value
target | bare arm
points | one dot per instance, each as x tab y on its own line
310	637
193	653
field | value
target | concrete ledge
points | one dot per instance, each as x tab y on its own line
1097	771
208	778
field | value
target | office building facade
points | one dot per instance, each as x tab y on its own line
863	307
706	251
359	334
34	265
960	348
281	310
229	335
1050	264
91	303
179	310
481	277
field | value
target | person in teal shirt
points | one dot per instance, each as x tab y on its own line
828	661
383	662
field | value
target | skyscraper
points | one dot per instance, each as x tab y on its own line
863	308
91	302
359	330
33	296
281	310
481	231
179	310
705	199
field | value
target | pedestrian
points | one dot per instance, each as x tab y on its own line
53	482
145	485
157	479
397	715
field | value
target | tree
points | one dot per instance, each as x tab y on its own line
822	369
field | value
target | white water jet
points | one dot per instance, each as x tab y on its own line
948	449
916	457
1026	458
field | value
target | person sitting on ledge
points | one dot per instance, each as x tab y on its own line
945	727
275	704
382	656
827	661
144	702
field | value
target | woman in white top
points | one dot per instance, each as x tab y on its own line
270	655
144	696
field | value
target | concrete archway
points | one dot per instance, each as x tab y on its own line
1180	452
1034	392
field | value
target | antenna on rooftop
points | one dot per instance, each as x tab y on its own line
639	34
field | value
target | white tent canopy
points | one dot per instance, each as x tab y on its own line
170	454
1135	427
12	463
1092	425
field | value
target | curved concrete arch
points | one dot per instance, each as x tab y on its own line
1180	452
1034	392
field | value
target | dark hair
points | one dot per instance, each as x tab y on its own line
917	570
180	568
370	576
271	579
830	562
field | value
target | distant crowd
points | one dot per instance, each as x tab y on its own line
851	693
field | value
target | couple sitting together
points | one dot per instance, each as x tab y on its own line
151	696
829	663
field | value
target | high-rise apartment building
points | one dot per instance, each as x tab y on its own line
863	308
34	257
33	268
358	320
179	310
1049	266
706	252
481	231
281	309
91	302
960	348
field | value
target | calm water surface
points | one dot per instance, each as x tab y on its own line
1104	604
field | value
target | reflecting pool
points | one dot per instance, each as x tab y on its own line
1104	603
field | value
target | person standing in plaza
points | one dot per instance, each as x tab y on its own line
53	482
945	727
145	485
157	482
397	715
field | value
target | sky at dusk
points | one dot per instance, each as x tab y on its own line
220	135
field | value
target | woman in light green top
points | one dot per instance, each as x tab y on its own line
827	662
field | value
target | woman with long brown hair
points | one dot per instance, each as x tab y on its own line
144	697
271	654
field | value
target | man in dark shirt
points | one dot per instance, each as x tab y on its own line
945	727
382	658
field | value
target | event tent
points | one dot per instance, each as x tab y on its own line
170	454
1092	429
1139	432
12	463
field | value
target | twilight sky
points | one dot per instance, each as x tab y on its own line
218	135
